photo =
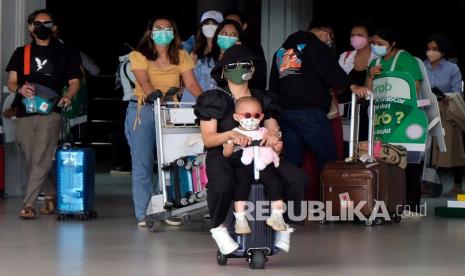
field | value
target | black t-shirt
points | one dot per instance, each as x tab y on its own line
52	66
219	104
303	71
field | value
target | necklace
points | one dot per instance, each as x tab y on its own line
230	94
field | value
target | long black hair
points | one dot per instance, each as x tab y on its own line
201	41
216	51
147	47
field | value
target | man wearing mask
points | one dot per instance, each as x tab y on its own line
43	67
304	73
259	79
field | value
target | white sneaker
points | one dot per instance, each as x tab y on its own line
141	224
276	221
241	226
283	239
225	243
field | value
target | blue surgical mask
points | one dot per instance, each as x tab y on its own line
162	37
380	51
226	42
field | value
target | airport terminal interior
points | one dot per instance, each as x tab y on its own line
110	242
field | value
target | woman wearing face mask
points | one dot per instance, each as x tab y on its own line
158	64
385	46
202	53
444	77
355	64
215	109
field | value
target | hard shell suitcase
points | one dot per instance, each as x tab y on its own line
181	188
199	177
259	244
75	182
352	182
75	178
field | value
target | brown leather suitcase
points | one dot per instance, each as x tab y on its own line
355	181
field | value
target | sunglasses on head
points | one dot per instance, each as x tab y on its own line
249	115
245	65
47	24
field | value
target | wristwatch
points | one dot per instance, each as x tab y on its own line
279	133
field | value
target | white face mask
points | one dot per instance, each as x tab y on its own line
433	55
249	123
209	30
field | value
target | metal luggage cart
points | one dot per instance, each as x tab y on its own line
172	138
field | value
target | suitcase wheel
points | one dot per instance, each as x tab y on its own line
376	221
182	201
61	217
180	162
257	259
323	221
153	226
221	259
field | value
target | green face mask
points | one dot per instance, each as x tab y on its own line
238	75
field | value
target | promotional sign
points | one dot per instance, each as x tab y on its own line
398	120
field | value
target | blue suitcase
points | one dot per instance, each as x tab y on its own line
75	177
181	188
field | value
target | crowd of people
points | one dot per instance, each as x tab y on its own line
224	71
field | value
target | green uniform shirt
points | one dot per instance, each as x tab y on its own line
405	63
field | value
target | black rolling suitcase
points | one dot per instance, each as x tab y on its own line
259	244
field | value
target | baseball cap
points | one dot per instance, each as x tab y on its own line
215	15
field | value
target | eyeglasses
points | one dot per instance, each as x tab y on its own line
249	115
47	24
245	65
167	29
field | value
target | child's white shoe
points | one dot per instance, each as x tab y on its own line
283	239
225	243
276	221
242	226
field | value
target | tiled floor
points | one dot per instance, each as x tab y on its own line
113	245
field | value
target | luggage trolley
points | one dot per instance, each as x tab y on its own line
175	128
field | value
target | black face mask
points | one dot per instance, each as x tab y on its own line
42	32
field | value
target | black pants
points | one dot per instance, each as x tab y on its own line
221	185
269	177
413	177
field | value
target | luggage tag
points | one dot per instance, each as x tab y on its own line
345	200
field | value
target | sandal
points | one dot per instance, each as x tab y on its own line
49	206
28	212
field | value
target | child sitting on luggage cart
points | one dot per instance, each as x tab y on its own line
248	112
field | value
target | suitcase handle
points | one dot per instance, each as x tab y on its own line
354	125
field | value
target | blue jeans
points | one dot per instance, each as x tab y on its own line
307	128
142	142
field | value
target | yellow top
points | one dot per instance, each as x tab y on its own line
161	79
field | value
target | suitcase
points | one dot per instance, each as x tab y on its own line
257	245
350	182
75	183
199	177
181	188
75	179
